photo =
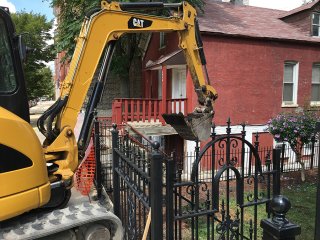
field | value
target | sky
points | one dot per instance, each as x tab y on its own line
277	4
36	6
43	6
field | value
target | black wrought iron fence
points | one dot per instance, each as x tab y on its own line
223	193
183	163
288	160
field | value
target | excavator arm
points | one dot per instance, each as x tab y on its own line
96	41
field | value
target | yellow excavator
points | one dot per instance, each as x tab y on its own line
39	176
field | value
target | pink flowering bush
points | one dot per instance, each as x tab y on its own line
295	128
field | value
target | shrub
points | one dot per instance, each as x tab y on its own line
296	128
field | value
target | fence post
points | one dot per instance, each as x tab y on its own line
115	177
317	221
283	148
117	112
276	158
313	141
156	194
170	177
97	154
278	227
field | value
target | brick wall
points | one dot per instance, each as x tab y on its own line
111	91
120	87
248	76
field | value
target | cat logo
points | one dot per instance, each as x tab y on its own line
135	23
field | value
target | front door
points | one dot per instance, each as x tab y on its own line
178	88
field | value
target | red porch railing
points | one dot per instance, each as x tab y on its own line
145	110
177	105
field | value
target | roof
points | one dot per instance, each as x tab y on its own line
171	59
248	21
300	9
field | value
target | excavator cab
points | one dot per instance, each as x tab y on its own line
13	95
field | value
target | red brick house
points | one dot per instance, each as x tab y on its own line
261	62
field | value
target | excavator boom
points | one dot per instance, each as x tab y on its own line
96	41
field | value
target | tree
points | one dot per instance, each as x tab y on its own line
295	128
35	28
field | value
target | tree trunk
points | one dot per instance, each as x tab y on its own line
303	170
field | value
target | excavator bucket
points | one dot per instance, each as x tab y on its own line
194	126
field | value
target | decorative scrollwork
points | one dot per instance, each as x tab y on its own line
131	217
250	180
221	143
221	161
234	161
204	186
261	195
231	225
234	143
250	197
221	228
190	189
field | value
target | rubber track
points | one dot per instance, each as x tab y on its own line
33	226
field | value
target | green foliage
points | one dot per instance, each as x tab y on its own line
294	128
42	84
70	17
35	28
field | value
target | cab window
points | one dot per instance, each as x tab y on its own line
8	81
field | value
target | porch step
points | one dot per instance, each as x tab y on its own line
152	128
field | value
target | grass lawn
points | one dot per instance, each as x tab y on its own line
303	202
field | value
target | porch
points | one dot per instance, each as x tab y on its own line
147	112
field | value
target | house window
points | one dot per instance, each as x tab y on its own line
162	40
315	85
290	83
316	24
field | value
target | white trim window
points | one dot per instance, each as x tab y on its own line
290	84
315	84
162	40
315	24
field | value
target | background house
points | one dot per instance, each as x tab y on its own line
261	62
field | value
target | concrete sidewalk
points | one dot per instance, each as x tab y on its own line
40	107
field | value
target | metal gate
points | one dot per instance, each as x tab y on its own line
227	204
233	199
